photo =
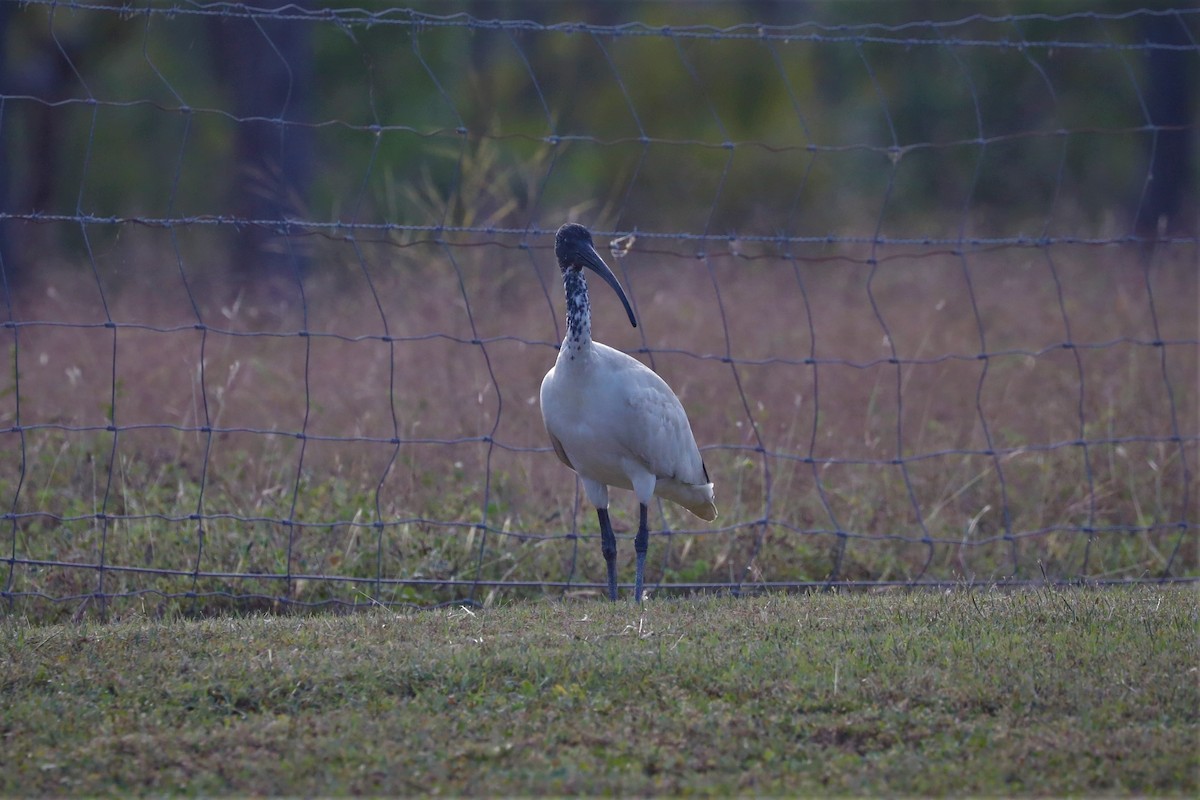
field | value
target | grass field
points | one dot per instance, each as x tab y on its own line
424	459
1038	692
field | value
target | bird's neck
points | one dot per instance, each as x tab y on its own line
579	311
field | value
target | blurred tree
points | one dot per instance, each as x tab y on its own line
267	66
1171	103
8	265
46	71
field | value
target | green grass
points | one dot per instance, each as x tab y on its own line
1034	692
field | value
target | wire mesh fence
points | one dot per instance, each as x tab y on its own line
279	291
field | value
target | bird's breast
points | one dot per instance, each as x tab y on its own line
605	406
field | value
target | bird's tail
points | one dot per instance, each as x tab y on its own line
697	498
707	510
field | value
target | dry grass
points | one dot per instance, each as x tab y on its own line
467	489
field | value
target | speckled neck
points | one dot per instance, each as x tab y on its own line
579	311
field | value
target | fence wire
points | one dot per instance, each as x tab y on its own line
279	292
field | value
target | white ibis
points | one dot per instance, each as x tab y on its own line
612	419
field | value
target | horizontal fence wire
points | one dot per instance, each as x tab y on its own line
279	290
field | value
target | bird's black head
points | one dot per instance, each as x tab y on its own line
574	250
571	243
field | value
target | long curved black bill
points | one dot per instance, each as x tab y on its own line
592	260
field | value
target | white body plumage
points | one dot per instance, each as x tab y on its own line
617	423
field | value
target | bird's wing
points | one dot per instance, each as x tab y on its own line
559	451
660	435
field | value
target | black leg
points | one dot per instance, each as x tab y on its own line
608	546
641	543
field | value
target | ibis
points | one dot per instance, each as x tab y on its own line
612	419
